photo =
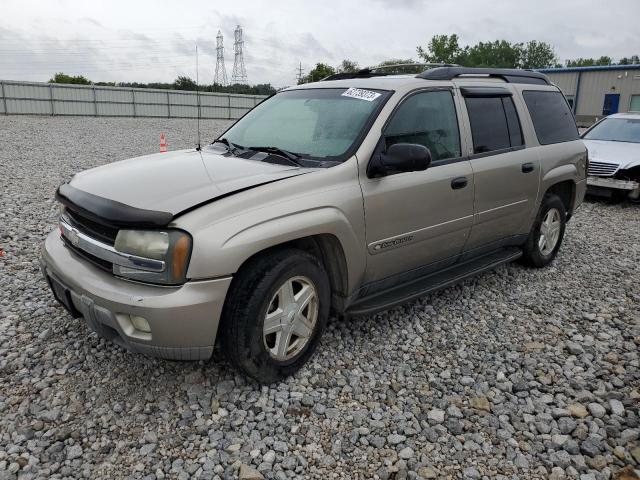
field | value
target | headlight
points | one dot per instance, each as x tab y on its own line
173	247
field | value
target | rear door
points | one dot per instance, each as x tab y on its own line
416	219
506	175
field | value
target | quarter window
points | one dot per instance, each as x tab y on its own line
551	116
429	119
494	123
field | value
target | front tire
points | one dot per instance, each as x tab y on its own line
275	313
547	233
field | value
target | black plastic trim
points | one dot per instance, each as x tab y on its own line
485	92
109	212
405	292
510	75
496	152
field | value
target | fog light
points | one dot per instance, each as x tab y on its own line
140	323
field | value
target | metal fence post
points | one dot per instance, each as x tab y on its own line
4	98
229	103
133	101
53	112
168	105
95	102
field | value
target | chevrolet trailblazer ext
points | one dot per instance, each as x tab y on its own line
348	195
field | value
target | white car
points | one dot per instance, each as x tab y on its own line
614	156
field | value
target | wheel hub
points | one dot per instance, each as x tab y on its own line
290	319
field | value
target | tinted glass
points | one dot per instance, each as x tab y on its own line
552	119
488	124
616	130
315	123
513	122
429	119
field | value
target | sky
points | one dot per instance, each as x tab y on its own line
154	40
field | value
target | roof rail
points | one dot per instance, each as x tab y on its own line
377	71
510	75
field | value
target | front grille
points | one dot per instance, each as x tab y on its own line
98	262
95	230
602	169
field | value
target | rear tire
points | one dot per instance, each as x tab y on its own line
546	234
275	313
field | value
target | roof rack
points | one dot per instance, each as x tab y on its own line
510	75
377	71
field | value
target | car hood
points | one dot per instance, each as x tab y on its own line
176	181
624	154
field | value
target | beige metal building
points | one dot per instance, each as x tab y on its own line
594	92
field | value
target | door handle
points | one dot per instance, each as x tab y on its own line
528	167
459	182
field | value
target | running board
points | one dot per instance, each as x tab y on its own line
430	283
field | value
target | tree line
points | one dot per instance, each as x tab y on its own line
180	83
496	54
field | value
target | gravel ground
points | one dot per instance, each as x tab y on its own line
517	373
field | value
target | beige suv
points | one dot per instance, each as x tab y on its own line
346	196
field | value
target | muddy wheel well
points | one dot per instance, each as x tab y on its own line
328	250
567	192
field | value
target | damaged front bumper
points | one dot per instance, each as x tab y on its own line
600	185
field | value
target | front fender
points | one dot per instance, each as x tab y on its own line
228	256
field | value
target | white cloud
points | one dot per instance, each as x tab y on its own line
154	40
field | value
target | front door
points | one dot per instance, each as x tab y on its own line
611	103
505	173
416	219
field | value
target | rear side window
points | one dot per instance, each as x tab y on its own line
494	123
552	119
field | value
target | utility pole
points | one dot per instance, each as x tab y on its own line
300	74
239	72
220	77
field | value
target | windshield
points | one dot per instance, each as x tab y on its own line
616	130
321	124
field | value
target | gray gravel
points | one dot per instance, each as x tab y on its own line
517	373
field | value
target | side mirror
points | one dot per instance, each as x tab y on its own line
399	158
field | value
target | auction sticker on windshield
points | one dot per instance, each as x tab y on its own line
367	95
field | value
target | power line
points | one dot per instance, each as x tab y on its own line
239	71
300	74
221	72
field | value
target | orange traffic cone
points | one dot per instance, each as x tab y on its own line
163	143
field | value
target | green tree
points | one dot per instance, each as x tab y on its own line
348	66
320	71
496	54
184	83
63	78
400	68
536	54
589	62
396	61
442	49
632	60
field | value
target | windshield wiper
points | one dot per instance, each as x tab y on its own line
293	157
231	147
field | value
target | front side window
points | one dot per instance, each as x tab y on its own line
494	123
321	124
551	116
429	119
616	130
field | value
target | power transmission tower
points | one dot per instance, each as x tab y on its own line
239	72
300	74
221	72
